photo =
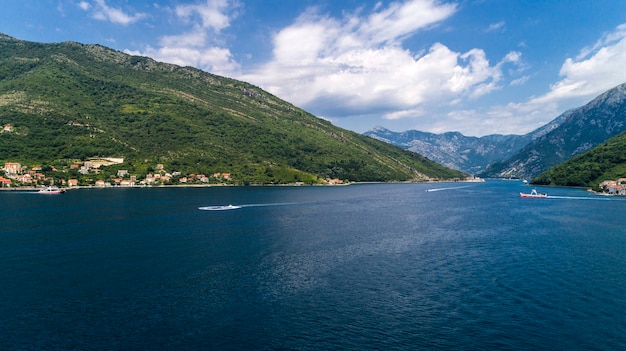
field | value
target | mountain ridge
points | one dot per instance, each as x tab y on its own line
68	101
581	129
464	153
521	156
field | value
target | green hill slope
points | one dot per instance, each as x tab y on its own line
70	101
604	162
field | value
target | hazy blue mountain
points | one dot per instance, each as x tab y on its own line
457	151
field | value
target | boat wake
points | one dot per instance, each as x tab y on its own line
580	198
236	207
451	188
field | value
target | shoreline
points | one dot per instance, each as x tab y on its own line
82	187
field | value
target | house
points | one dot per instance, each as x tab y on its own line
126	182
150	178
5	182
25	178
222	175
122	173
72	182
613	187
12	168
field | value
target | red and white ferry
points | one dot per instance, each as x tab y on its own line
533	194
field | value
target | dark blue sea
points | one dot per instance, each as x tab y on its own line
449	266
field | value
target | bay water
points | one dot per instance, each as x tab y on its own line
437	266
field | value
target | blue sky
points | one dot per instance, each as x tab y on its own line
475	66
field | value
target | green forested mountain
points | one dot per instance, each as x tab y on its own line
604	162
70	101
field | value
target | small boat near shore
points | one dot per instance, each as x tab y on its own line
51	190
533	194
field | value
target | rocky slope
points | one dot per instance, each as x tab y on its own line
580	130
465	153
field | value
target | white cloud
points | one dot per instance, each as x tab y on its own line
102	12
595	70
200	45
84	5
357	65
496	27
212	13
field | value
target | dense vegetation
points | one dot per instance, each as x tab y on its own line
68	102
604	162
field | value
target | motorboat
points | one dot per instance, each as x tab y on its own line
533	194
219	208
52	190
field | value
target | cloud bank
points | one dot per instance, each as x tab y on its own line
357	66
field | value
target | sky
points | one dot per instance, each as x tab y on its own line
478	67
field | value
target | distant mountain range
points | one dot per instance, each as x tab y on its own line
457	151
64	102
521	156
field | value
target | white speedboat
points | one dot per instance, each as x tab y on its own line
51	190
219	208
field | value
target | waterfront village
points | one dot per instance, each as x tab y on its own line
86	174
614	187
17	175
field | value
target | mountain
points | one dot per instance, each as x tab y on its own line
64	102
606	161
457	151
580	130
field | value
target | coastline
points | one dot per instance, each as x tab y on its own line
82	187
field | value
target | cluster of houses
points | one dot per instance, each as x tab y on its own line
614	187
16	174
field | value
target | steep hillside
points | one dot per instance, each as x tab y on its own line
581	130
70	101
457	151
604	162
